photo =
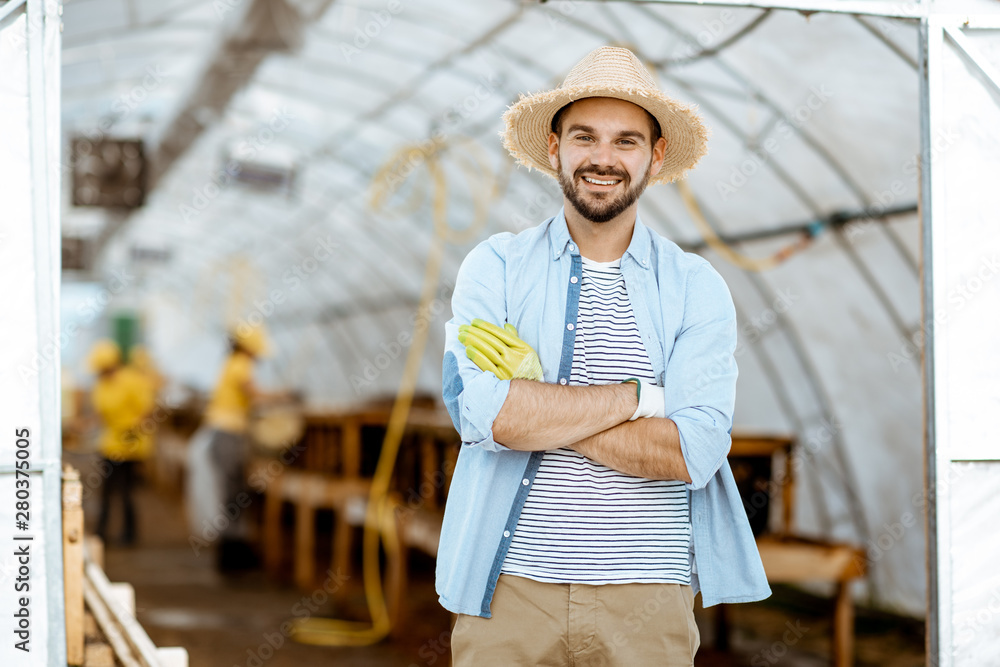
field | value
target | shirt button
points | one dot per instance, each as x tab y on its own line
570	326
573	280
562	380
525	482
572	248
506	533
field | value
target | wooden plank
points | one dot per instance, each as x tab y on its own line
843	627
788	561
272	526
758	446
788	496
72	507
98	654
351	443
428	467
305	544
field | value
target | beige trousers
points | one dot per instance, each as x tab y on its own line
576	624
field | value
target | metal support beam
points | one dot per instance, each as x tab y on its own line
267	27
907	10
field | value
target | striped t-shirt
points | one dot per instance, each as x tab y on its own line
582	521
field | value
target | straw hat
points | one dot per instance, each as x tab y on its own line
251	338
606	72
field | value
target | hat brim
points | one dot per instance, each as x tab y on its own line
528	123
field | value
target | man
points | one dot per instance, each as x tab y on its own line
219	452
123	399
587	509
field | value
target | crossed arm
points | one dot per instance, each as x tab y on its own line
593	421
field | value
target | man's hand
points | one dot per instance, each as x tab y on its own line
499	351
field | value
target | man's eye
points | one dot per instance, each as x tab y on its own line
627	142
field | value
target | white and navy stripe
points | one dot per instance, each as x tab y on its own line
582	521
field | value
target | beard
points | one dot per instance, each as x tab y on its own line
603	206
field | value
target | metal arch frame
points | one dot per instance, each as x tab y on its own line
387	283
858	516
163	20
414	86
823	154
371	115
868	7
11	7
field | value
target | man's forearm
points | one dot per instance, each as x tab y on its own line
538	416
649	448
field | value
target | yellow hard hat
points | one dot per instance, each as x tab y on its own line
253	339
104	355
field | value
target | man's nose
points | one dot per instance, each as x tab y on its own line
602	155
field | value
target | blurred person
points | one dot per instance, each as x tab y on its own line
596	418
122	399
142	362
221	455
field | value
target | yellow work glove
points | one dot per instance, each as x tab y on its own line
499	351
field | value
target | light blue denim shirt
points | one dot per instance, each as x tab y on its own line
686	317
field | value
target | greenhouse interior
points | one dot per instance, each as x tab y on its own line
244	234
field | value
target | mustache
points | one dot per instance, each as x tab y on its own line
590	171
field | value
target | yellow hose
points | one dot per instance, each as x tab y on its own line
380	523
727	253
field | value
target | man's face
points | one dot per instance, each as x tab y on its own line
605	156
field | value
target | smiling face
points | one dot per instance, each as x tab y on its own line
604	156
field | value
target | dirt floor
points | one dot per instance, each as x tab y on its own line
235	621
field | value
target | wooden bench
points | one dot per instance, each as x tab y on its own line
789	558
326	473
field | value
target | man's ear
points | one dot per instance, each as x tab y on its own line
554	150
659	152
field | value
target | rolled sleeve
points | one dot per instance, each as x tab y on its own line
700	379
474	397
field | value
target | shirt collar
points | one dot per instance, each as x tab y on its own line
639	247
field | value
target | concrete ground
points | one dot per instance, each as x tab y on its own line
236	621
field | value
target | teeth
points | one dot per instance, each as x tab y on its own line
597	182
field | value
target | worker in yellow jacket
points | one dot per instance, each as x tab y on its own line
227	418
123	399
141	360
